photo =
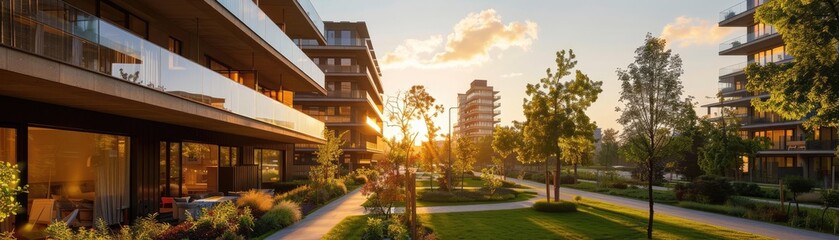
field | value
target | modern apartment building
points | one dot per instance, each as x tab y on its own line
477	114
353	101
110	106
794	150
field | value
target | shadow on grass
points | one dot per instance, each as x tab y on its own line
591	222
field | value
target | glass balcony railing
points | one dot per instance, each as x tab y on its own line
340	69
249	13
744	39
69	35
733	68
313	15
739	8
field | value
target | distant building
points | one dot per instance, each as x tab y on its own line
477	116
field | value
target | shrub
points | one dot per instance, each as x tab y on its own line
768	213
705	189
747	189
147	227
259	202
618	185
491	181
378	229
798	185
741	202
558	207
298	195
282	215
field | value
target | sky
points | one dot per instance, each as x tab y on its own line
445	44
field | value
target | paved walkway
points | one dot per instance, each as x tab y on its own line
317	224
739	224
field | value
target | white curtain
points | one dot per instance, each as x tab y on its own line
111	179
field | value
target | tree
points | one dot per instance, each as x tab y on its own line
608	154
384	187
9	189
427	111
555	110
327	159
465	156
798	185
505	141
491	181
576	150
725	149
808	86
651	93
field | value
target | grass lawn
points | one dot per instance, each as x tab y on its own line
594	220
467	182
641	193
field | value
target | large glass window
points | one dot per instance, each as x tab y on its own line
269	164
71	170
200	168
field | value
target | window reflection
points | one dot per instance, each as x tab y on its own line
200	168
77	170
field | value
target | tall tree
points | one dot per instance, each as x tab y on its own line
807	87
427	111
556	110
505	141
651	93
402	110
608	154
465	157
485	154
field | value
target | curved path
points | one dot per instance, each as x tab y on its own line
317	224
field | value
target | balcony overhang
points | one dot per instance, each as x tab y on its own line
754	45
291	13
797	152
771	125
743	19
213	23
34	78
361	53
740	102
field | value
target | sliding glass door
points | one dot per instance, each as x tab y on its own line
70	170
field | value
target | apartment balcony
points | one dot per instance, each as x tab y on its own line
258	21
354	71
87	42
749	43
734	69
299	18
341	97
740	15
496	105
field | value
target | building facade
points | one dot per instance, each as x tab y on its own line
795	150
353	101
111	106
477	114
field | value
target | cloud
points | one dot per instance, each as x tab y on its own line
686	31
509	75
470	43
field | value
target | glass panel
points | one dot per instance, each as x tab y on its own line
175	170
163	175
270	164
225	156
200	166
66	34
85	171
249	13
8	153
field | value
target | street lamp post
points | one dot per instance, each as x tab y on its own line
449	170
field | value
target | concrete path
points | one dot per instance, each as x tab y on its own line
317	224
739	224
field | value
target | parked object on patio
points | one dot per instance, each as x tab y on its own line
70	219
42	211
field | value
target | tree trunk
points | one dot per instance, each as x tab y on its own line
461	181
557	182
575	171
547	182
650	195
